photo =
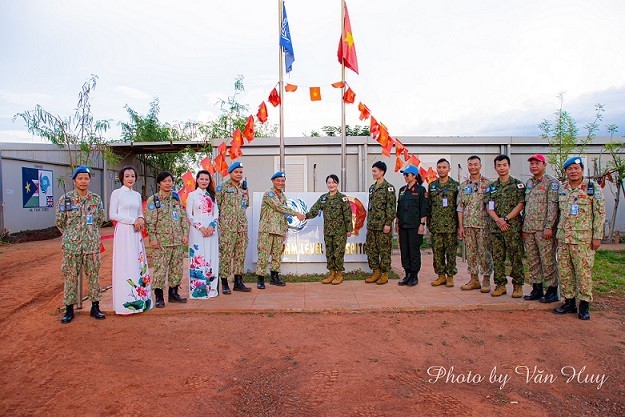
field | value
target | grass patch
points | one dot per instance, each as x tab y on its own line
347	276
607	275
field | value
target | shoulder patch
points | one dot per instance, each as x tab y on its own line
219	188
598	195
151	207
345	199
271	194
555	186
520	185
391	189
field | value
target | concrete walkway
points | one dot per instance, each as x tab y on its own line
353	296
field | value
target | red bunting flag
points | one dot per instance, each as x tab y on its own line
431	175
406	154
249	129
237	139
235	152
383	137
414	161
423	173
315	93
347	49
262	112
183	193
364	111
398	164
374	128
221	149
289	88
208	165
338	84
399	147
349	96
188	181
221	165
274	97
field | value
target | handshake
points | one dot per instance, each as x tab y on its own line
300	216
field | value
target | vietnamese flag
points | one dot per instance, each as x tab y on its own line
406	154
315	93
235	152
415	161
249	129
188	182
262	112
237	139
338	84
374	127
347	49
289	88
423	173
222	149
221	165
274	97
364	111
399	147
349	96
208	165
183	193
431	175
398	164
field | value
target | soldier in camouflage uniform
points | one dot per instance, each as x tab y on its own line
168	228
380	217
337	227
443	224
78	217
580	230
233	200
506	198
473	226
272	230
540	220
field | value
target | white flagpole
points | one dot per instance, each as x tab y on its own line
343	139
281	85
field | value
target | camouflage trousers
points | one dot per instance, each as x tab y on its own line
445	251
479	256
509	243
269	245
378	247
232	247
575	264
335	251
167	263
90	263
540	255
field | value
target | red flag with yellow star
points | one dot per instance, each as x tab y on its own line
249	129
364	111
315	93
398	164
349	96
262	112
274	97
208	165
188	181
347	49
415	161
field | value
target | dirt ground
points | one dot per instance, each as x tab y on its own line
296	364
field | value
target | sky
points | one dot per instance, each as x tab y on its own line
444	68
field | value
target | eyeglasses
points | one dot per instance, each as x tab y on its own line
406	174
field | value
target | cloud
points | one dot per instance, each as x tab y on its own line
24	99
131	92
19	136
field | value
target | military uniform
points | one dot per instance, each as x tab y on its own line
443	224
503	198
412	206
271	230
541	212
381	213
167	223
232	201
79	220
337	222
582	218
475	224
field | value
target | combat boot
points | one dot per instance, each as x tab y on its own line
406	279
536	294
338	277
225	288
441	280
517	291
450	281
238	284
473	284
329	278
95	311
584	310
160	300
260	282
275	279
414	279
551	295
69	314
174	297
499	290
374	277
383	279
485	284
568	307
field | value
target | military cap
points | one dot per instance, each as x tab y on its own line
410	170
573	160
234	166
279	174
82	169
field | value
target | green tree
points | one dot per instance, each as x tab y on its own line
336	131
79	133
614	173
562	135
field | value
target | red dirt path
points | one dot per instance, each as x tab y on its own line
326	364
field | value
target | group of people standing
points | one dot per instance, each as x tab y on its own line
496	219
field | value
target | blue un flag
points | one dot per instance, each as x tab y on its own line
285	42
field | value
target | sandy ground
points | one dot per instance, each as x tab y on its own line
296	364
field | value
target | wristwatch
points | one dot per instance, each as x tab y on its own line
505	219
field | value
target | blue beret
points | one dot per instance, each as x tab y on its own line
235	166
573	160
410	170
82	169
278	175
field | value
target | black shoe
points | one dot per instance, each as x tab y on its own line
584	310
160	299
238	284
414	279
405	280
174	297
551	295
95	311
568	307
260	282
69	314
225	289
275	279
536	294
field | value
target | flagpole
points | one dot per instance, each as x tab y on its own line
281	85
343	139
